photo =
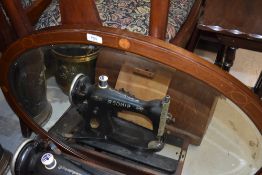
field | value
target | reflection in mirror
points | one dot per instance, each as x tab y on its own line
29	85
232	144
120	103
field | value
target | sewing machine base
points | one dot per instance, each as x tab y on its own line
123	133
150	159
126	132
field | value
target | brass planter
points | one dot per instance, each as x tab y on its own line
72	60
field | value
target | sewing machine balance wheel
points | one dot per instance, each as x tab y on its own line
72	87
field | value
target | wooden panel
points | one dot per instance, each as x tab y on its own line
192	102
240	42
239	18
79	12
145	84
158	18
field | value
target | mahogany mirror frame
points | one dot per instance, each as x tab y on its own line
149	47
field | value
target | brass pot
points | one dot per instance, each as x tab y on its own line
72	60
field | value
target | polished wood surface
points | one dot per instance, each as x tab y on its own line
141	79
18	18
182	38
7	35
240	42
158	18
22	20
79	12
34	11
241	18
234	24
154	49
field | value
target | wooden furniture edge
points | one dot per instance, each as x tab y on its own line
81	12
229	32
182	37
17	16
154	49
36	9
181	59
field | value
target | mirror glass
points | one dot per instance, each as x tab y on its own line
42	79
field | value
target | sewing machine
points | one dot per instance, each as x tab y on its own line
99	105
94	122
37	157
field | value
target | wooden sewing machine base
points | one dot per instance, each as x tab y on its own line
168	161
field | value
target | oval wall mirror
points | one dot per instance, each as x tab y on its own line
113	98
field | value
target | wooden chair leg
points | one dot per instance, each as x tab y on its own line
229	58
220	55
258	86
7	35
19	20
193	40
2	44
158	21
26	132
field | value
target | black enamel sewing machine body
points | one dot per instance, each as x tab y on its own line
96	107
99	105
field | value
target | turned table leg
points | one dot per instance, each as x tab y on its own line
193	40
220	55
229	58
26	132
258	86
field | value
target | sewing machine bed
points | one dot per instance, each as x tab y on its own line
70	129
